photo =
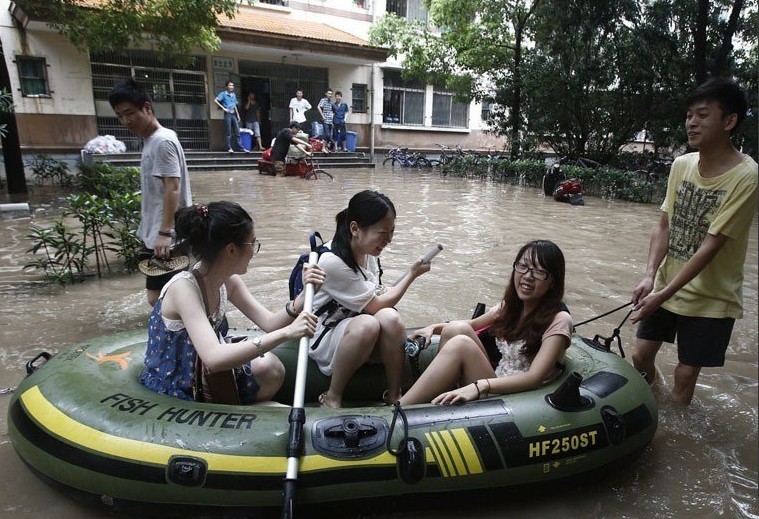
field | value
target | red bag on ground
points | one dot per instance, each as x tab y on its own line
316	144
266	155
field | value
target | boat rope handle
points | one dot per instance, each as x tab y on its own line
607	313
397	411
614	335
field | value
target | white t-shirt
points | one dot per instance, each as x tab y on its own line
162	156
352	292
299	109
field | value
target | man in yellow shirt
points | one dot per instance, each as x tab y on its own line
692	288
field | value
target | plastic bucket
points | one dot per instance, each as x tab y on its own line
246	139
350	141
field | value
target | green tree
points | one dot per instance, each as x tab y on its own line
588	84
173	27
687	42
475	48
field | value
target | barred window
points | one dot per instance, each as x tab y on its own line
403	101
411	9
446	111
32	74
358	93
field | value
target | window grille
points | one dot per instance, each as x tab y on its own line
180	98
447	112
403	101
358	94
32	73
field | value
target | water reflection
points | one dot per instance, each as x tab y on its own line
703	460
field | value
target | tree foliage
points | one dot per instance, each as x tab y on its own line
581	75
173	27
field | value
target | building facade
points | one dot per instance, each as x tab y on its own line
272	49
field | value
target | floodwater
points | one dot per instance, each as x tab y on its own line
703	459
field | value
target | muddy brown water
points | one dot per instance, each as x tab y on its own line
702	462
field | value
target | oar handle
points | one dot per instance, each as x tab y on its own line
431	253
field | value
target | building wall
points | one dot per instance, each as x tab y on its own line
66	119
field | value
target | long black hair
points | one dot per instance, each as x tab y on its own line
207	229
365	208
508	323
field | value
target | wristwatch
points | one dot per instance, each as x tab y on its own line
257	343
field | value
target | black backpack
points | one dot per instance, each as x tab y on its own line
296	276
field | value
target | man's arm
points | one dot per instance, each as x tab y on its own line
171	188
657	249
216	100
709	248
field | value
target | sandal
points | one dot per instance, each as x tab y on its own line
385	399
324	403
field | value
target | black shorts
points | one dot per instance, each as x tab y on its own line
701	341
155	282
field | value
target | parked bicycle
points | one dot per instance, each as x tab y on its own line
403	158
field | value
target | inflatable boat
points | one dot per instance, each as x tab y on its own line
82	422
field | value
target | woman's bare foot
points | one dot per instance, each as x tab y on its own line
329	402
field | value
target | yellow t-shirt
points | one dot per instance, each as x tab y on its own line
696	206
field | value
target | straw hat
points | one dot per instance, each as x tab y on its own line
158	267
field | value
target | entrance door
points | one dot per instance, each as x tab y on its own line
262	88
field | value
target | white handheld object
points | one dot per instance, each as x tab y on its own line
431	253
434	251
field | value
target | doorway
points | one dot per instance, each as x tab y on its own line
261	87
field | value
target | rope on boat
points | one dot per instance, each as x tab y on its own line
615	334
397	411
607	313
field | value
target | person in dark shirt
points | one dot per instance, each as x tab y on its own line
282	143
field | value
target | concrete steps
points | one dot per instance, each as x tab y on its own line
223	161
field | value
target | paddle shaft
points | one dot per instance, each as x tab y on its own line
298	414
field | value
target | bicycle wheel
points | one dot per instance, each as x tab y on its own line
423	162
319	174
389	159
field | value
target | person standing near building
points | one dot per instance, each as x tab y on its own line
227	101
252	117
164	179
325	108
338	119
298	109
692	288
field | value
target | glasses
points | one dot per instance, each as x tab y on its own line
256	244
523	268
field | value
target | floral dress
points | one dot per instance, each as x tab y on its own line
170	356
513	361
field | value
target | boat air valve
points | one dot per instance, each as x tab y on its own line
187	471
351	431
567	396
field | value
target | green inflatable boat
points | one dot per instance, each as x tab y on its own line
82	422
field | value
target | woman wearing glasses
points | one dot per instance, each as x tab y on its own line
187	323
531	328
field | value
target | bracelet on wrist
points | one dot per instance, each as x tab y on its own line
290	312
477	388
169	234
487	391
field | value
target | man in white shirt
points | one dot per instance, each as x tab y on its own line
298	109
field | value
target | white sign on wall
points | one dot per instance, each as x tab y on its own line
222	72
